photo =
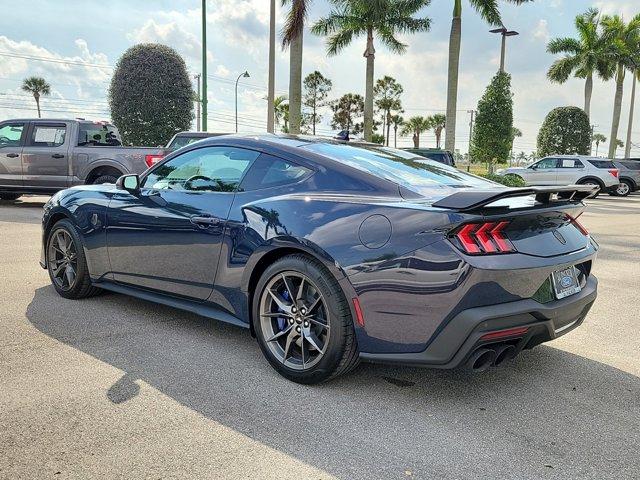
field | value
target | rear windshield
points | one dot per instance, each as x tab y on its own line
407	169
179	142
602	163
98	135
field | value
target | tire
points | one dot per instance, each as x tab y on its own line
80	286
10	196
593	182
104	179
623	190
338	350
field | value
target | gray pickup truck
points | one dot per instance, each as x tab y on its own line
46	155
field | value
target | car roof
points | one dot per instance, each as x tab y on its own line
199	134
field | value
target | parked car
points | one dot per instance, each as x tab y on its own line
330	252
629	177
47	155
569	170
437	154
182	139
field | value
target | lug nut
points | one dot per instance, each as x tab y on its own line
291	321
306	324
298	329
294	309
303	311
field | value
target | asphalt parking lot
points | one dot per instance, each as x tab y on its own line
120	388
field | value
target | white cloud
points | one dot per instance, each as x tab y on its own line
541	32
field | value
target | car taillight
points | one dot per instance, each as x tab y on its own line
484	238
614	172
151	160
574	221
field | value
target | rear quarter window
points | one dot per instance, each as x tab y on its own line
602	163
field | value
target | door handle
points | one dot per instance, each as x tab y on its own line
13	155
57	155
205	221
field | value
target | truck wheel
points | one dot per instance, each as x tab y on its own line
10	196
104	179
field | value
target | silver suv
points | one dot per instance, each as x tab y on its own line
569	170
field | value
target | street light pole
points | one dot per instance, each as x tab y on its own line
204	65
245	75
198	100
504	33
472	113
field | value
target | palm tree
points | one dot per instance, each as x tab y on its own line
415	126
387	92
37	86
488	10
623	39
292	37
584	56
271	87
598	138
438	123
281	112
397	121
636	77
384	18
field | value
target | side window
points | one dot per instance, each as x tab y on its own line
209	169
570	163
11	134
269	171
546	163
48	135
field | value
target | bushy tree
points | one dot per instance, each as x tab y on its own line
387	92
492	135
151	97
347	111
316	90
565	131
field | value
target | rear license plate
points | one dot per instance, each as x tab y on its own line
565	282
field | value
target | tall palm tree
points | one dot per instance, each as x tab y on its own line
38	87
488	10
438	123
415	126
384	18
636	77
623	39
271	87
397	121
584	56
598	138
292	37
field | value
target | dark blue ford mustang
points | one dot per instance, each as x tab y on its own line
332	252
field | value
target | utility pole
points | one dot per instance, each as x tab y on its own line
272	70
504	33
198	100
472	113
204	65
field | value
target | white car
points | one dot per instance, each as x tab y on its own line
569	170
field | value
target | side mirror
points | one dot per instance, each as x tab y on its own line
130	183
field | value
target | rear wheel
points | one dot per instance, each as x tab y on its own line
67	264
592	182
303	322
105	179
10	196
623	189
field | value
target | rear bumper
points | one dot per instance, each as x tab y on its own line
462	335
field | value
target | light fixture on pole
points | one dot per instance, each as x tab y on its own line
245	75
198	100
504	33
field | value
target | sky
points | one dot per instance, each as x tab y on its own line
74	44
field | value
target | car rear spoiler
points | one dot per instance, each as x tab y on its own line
468	200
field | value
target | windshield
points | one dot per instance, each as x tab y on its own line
416	173
98	135
179	142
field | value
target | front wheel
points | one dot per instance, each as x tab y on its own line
303	322
66	263
623	189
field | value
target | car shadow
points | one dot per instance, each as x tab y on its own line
546	411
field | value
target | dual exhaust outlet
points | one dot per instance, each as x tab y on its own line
486	357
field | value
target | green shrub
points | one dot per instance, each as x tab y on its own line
510	180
